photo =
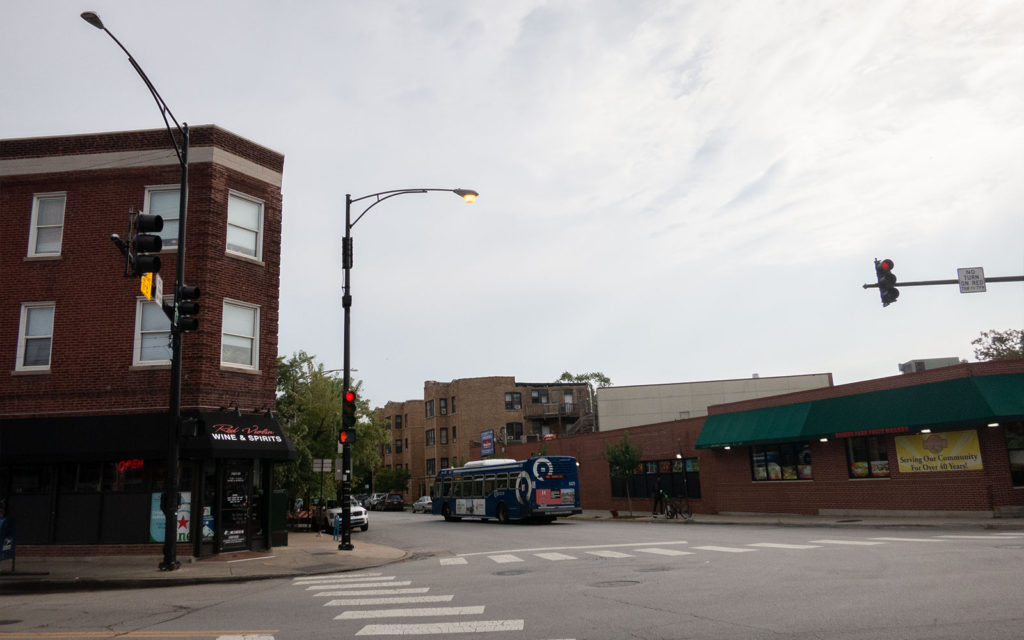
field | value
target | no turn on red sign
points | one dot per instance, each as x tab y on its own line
972	279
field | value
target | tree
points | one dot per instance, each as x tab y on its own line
595	380
623	459
999	345
309	402
392	480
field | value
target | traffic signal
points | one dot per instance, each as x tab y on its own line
187	308
144	241
347	436
886	281
348	411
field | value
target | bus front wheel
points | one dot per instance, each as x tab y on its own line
447	513
502	514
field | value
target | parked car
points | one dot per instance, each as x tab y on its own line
394	502
357	516
424	504
373	502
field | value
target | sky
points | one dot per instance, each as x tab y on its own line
669	191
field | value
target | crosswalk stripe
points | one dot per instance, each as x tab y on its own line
452	561
365	602
777	545
247	636
554	556
410	613
910	539
988	537
345	576
865	543
667	552
372	592
441	628
343	580
505	557
360	585
724	549
610	554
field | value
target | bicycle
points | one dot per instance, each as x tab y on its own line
678	507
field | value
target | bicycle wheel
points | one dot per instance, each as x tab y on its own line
686	513
670	512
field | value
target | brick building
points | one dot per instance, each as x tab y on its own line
947	440
84	421
451	424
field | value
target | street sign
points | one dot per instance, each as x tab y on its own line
971	279
146	285
158	287
321	465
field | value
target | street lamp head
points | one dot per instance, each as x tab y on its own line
466	194
93	19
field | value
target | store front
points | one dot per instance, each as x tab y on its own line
99	480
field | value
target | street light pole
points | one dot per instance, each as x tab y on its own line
169	499
346	302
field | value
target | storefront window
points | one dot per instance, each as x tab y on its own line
80	478
867	457
781	462
677	477
1015	448
125	475
30	479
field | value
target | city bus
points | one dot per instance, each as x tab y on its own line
539	488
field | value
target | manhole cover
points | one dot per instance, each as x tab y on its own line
616	583
512	572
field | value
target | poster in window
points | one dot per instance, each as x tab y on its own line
760	470
772	461
859	469
692	465
879	468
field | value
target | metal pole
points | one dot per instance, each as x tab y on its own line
346	303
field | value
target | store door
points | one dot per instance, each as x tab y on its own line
233	528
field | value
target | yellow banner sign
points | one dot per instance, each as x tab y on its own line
146	285
945	451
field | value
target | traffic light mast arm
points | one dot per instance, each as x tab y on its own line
925	283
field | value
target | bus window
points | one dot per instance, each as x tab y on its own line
456	490
488	485
502	481
467	488
478	487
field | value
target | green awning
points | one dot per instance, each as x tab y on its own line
950	403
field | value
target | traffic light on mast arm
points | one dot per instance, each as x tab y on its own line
886	281
144	242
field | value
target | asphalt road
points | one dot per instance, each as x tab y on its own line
594	580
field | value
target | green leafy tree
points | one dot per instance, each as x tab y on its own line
623	459
999	345
309	402
594	381
392	480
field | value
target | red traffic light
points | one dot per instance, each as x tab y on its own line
350	396
346	436
886	264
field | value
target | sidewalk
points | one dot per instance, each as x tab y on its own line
308	554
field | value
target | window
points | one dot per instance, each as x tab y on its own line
35	336
398	445
1015	448
453	434
429	408
867	458
387	424
539	396
387	451
430	437
152	334
513	400
443	406
245	225
677	476
47	224
398	421
453	404
431	466
514	430
444	435
165	201
444	463
239	345
781	462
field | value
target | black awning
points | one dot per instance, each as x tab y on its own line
227	435
31	440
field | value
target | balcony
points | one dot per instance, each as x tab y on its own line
551	410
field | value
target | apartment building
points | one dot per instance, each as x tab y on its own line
84	409
470	418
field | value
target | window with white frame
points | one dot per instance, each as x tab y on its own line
245	225
165	201
239	344
152	333
35	336
47	224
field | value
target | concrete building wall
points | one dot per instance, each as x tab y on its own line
630	406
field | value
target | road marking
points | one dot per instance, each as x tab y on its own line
346	576
610	554
724	549
988	537
450	561
363	602
503	558
441	628
853	542
233	634
554	556
247	636
776	545
410	613
342	580
576	548
667	552
373	592
910	539
360	585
